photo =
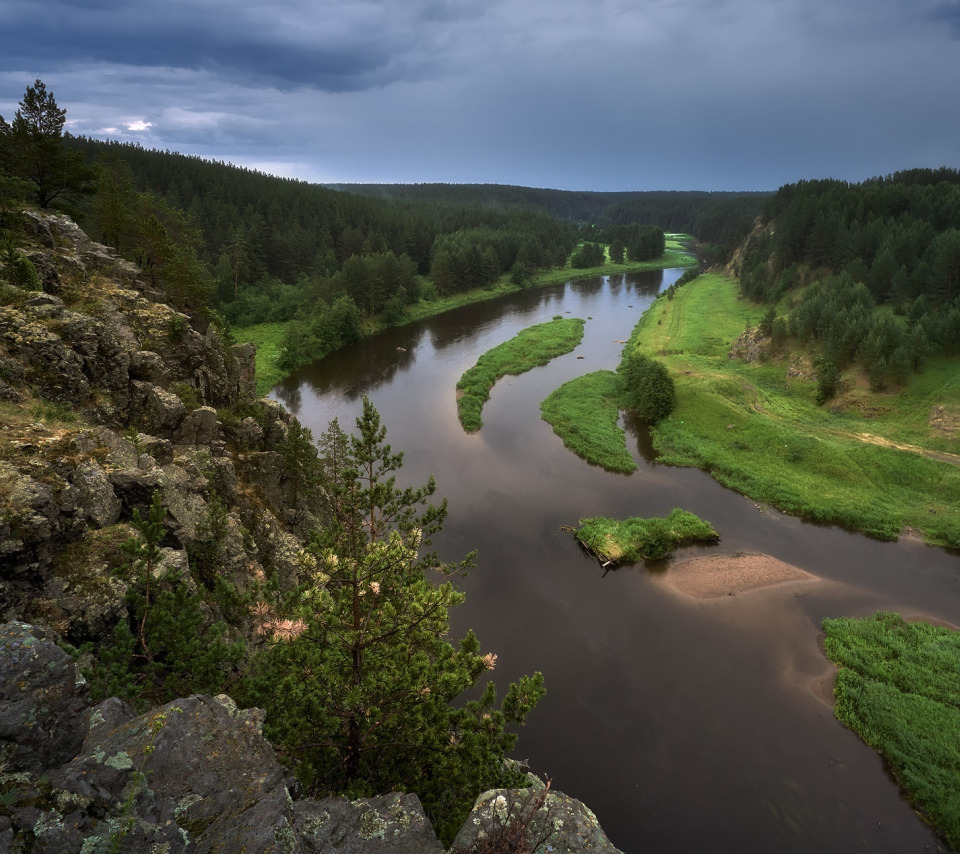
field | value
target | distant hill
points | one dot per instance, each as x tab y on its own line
712	217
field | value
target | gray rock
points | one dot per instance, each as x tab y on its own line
244	359
99	503
213	780
199	428
38	227
111	714
147	365
162	411
45	263
391	824
250	434
223	479
160	450
555	823
135	488
43	701
45	299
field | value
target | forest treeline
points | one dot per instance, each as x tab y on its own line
277	246
244	247
257	248
883	258
721	220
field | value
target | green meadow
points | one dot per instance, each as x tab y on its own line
873	462
583	413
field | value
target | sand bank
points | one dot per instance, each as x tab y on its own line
729	575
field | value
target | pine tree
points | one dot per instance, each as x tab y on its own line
32	149
357	677
167	647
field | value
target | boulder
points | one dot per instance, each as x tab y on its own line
97	500
148	366
194	773
200	428
43	701
554	822
161	412
391	824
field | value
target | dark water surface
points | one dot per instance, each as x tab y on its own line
686	725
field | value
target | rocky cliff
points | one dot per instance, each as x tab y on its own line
109	395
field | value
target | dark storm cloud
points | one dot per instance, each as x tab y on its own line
948	13
332	47
611	94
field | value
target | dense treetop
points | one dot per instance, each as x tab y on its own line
883	259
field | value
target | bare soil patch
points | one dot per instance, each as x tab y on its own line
945	421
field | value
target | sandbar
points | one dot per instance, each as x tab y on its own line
728	575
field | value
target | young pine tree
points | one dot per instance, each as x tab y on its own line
167	647
357	678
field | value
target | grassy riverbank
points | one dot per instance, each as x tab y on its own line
898	688
583	413
642	539
268	337
874	462
529	348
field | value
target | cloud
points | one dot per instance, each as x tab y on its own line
613	94
334	46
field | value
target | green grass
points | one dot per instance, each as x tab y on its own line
529	348
898	688
643	539
584	412
269	336
759	431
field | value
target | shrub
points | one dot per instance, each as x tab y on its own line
647	387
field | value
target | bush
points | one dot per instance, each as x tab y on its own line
828	380
648	388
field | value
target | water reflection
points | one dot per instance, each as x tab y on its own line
685	724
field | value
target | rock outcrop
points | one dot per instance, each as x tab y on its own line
109	396
117	395
196	774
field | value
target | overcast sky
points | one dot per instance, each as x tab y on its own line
571	94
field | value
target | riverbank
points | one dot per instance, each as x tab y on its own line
880	463
268	337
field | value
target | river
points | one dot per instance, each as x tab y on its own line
686	725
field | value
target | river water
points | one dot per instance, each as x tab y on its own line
686	725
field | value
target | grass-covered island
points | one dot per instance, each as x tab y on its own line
898	688
636	539
583	413
528	349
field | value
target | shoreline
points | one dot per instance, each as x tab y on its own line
266	335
